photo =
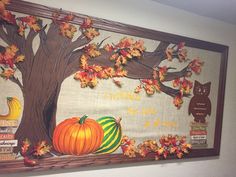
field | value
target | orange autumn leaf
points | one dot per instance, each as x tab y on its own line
7	73
120	72
41	149
21	29
108	47
162	73
32	22
91	33
92	50
67	30
25	146
178	101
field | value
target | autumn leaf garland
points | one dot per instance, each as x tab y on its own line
171	145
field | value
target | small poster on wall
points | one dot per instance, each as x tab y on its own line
81	91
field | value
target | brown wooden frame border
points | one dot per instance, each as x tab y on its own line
90	160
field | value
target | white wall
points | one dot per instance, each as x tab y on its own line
149	14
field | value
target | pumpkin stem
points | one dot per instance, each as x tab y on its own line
82	119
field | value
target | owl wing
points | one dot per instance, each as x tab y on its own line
190	107
209	107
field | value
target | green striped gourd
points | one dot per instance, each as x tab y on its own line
112	134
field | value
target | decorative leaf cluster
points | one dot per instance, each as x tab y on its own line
29	21
87	29
178	52
8	58
168	146
125	50
5	14
182	85
91	73
29	153
66	29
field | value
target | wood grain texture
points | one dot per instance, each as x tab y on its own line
68	162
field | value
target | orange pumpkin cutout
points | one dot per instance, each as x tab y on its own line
77	136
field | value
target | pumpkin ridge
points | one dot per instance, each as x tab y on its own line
62	136
88	139
72	141
56	134
93	136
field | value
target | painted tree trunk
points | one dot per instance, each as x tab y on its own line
39	114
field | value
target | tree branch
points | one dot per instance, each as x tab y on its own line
174	75
4	36
168	90
73	64
16	81
154	58
79	42
12	34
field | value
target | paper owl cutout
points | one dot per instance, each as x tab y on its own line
200	104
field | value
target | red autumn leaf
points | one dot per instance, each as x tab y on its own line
176	82
30	162
87	23
162	73
196	65
180	46
32	22
178	101
25	146
108	47
8	17
186	86
69	17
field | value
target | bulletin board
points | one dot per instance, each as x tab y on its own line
82	91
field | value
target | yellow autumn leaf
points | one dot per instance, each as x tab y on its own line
84	61
135	53
35	27
96	68
91	33
20	58
13	48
